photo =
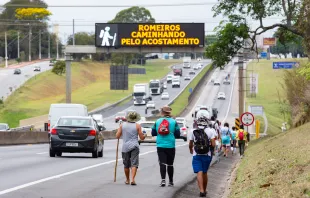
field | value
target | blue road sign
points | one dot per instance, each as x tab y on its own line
190	90
263	55
285	65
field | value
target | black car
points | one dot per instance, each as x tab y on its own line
76	134
17	71
192	73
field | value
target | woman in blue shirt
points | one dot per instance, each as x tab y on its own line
226	137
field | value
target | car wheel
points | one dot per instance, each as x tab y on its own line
100	154
59	154
52	153
95	153
185	139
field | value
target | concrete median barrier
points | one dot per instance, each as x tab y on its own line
30	137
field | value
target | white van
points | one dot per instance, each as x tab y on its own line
58	110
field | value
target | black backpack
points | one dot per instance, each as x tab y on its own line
202	142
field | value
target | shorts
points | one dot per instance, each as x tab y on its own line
201	163
226	141
131	158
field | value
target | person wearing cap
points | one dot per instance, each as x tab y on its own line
201	161
130	131
166	144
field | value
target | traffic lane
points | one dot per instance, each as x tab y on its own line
8	79
31	166
223	106
98	181
173	92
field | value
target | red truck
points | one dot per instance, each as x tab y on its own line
177	72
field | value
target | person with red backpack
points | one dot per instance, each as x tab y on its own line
167	130
242	139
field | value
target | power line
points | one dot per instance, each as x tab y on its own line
110	6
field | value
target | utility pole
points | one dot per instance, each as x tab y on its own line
49	45
241	85
57	56
40	56
18	54
68	78
6	49
73	37
30	43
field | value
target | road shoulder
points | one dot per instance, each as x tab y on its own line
219	176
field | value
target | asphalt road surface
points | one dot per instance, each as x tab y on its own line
28	171
173	92
8	79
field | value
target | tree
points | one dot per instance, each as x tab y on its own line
236	30
134	14
59	68
210	39
37	14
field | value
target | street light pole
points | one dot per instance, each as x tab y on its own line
6	49
18	56
68	78
40	55
57	56
49	45
30	43
73	38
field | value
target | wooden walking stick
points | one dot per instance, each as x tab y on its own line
115	169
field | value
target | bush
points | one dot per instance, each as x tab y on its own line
22	56
19	60
59	68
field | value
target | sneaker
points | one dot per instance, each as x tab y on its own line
162	183
171	184
202	194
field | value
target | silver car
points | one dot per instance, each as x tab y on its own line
221	96
150	105
165	96
4	127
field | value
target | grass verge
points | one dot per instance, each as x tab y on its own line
277	166
10	62
182	101
90	86
270	83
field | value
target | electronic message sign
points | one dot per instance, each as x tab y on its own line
150	35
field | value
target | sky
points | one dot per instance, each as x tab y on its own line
89	16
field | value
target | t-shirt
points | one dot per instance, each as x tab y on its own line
210	135
225	131
233	134
166	141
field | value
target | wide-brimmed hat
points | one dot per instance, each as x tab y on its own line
133	117
166	110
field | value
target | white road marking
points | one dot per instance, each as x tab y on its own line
231	94
69	173
41	153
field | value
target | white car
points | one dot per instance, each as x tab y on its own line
4	127
221	95
37	68
99	120
187	78
226	82
183	130
150	105
216	82
199	65
196	67
181	119
165	86
165	96
147	131
169	78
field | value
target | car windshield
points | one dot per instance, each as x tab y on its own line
98	118
154	85
181	125
3	127
139	94
77	122
121	114
180	119
147	125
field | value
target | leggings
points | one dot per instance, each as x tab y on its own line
241	144
166	159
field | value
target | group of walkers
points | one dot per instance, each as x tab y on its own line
207	140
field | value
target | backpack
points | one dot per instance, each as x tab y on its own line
241	135
202	142
163	128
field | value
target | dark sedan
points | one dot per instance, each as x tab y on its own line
76	135
17	71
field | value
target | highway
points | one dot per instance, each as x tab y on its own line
173	92
28	171
8	79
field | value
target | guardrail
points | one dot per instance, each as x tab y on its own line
22	129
